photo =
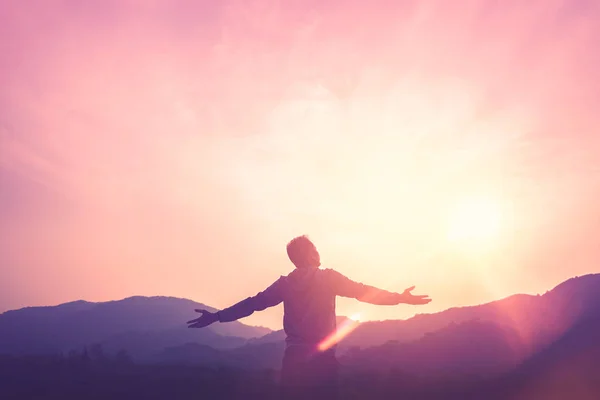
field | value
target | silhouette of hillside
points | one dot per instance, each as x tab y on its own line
568	368
249	357
474	347
524	347
483	340
486	339
538	320
138	324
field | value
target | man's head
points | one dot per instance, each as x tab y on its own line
303	253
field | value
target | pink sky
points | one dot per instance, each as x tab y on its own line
174	147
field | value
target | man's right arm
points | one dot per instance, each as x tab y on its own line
270	297
346	287
267	298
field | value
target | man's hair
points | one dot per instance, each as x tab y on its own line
298	250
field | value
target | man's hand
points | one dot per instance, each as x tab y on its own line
204	320
408	298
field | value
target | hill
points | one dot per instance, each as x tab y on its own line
538	320
141	325
490	338
485	340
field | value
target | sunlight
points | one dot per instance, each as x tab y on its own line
475	223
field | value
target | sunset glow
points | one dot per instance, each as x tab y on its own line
175	147
475	222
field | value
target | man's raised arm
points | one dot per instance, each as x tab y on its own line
270	297
346	287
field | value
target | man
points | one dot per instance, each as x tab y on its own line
308	295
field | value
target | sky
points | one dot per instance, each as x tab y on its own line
175	147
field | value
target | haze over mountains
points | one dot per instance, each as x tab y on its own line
485	339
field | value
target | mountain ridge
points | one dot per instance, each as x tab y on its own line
149	327
76	324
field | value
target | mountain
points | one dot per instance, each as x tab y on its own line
485	340
249	357
477	348
569	368
142	325
538	320
488	338
519	348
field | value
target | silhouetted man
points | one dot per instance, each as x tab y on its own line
308	296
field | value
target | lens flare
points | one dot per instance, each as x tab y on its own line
343	330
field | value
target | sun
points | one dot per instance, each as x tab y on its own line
356	317
475	223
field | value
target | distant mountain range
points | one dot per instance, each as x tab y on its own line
485	339
140	325
529	316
